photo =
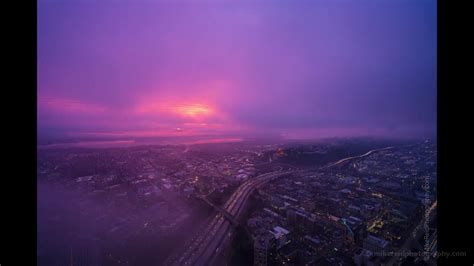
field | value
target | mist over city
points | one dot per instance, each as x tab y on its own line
229	132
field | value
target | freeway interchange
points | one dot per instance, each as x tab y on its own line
204	249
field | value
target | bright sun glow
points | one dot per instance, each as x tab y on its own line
193	110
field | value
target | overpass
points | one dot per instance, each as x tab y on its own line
207	247
226	214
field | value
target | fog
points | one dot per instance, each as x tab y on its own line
90	231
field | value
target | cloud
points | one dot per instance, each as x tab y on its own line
279	67
69	106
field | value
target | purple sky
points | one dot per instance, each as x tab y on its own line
299	69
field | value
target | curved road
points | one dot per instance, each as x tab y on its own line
204	249
355	157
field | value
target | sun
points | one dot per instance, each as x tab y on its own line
194	110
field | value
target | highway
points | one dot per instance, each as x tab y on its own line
355	157
204	248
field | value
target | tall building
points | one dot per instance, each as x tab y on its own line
280	235
261	246
302	221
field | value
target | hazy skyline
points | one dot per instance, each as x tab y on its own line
297	69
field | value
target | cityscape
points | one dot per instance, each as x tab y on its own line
334	202
237	132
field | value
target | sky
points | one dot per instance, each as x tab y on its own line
293	69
